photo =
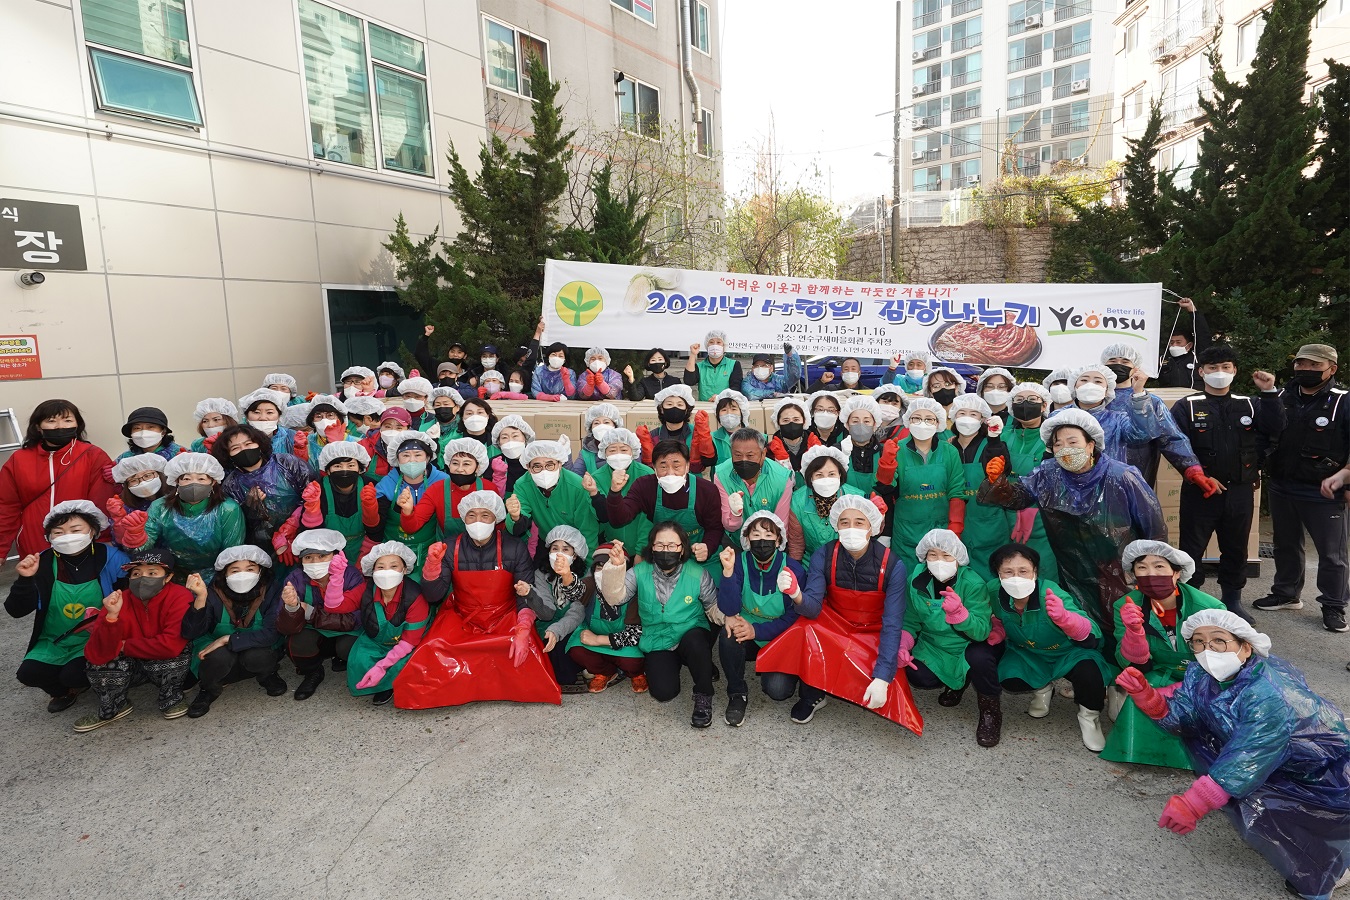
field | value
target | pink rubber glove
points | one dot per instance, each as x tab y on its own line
879	503
312	517
520	636
116	509
281	541
300	445
905	659
997	633
1184	811
337	567
1026	520
952	608
378	671
431	569
335	432
130	532
787	583
1134	644
1146	697
1208	486
1075	626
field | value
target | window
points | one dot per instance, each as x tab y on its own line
1071	79
1073	40
965	140
967	34
1248	34
643	9
965	173
1018	14
1024	91
346	59
966	69
152	75
1132	36
639	108
1024	54
965	105
927	12
706	135
701	27
927	80
508	52
927	45
1180	157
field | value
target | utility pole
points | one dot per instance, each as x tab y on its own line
895	154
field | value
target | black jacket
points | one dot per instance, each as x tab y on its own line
201	622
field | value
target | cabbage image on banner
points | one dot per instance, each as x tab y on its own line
642	284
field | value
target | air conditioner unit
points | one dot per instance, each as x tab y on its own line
1079	87
917	154
972	179
916	55
1032	21
916	90
920	124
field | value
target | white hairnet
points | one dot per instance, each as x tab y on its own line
201	463
1057	375
492	375
1179	558
488	500
826	395
264	395
1230	622
715	336
602	410
318	540
1031	387
418	385
1122	351
1100	370
960	380
215	405
925	403
442	391
888	390
134	465
971	401
83	507
793	403
390	366
862	504
395	439
512	421
327	400
622	436
250	552
364	406
294	417
598	351
335	450
762	515
944	540
388	548
283	378
361	371
834	453
561	450
863	403
469	447
991	371
574	539
742	401
917	354
1078	417
675	390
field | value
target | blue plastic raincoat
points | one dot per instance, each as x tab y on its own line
1169	440
778	383
1123	422
281	480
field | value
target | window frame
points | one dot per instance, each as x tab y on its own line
694	29
708	122
637	107
621	7
94	90
516	32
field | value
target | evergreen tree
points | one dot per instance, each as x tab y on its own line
617	228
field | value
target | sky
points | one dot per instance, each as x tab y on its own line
820	77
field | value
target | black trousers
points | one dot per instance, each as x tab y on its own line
1328	524
694	652
1088	688
223	666
309	649
983	662
1229	515
735	654
56	680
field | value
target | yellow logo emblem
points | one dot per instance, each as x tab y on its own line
73	610
578	303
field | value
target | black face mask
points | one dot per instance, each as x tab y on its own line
245	458
674	415
56	438
457	360
656	368
1121	371
145	588
463	479
1026	410
444	414
1309	378
447	381
194	493
344	479
944	396
748	469
666	560
791	431
763	549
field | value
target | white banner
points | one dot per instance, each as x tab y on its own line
1040	326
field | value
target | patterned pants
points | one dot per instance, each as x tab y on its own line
111	682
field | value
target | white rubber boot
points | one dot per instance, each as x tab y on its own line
1090	724
1115	701
1040	702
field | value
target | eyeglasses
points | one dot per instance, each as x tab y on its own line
675	547
1218	645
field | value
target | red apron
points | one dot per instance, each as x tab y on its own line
836	650
466	654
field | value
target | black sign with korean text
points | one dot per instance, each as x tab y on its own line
41	236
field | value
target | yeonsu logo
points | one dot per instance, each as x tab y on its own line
1097	323
578	303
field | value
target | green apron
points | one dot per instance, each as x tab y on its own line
864	481
713	379
663	624
634	534
224	628
722	444
924	488
591	460
349	527
987	527
420	540
757	608
567	504
597	625
1027	450
1035	650
315	599
816	529
940	646
451	525
65	609
687	519
367	651
773	478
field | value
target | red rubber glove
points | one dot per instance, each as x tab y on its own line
994	469
956	515
300	446
370	507
1075	626
879	503
335	432
520	636
1184	811
1145	696
332	594
702	443
116	509
997	633
377	671
1208	486
281	541
130	532
787	583
644	436
208	442
1133	643
886	464
601	385
953	610
107	474
905	659
312	517
431	569
1026	521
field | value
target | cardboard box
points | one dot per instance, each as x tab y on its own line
549	425
643	413
760	416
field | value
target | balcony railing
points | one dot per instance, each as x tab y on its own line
1063	90
928	87
930	187
1195	21
927	121
1059	129
926	19
926	53
962	113
929	155
961	148
1073	50
1073	11
961	7
1022	100
1029	170
1183	105
1024	62
965	43
961	78
1029	134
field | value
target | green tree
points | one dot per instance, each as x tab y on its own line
618	225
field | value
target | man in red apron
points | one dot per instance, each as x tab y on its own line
847	639
482	644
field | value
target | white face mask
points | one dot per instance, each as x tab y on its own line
148	488
350	391
480	531
554	556
1016	587
1091	393
1222	666
492	387
475	424
672	484
600	432
242	582
387	579
316	570
915	374
853	539
715	352
887	414
489	362
619	461
266	426
763	372
1219	379
1060	393
517	387
922	430
556	362
546	479
825	487
386	381
596	365
825	420
1175	351
322	424
146	439
941	569
412	404
70	544
729	422
850	378
213	430
512	449
968	425
996	397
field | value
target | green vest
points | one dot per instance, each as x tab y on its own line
713	379
773	478
923	490
686	518
663	624
223	628
598	625
420	540
567	504
940	646
1167	654
367	651
758	608
65	609
722	445
634	534
988	527
816	529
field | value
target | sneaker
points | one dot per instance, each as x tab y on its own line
1272	602
201	704
64	702
640	683
600	682
89	723
380	698
1333	619
804	710
274	684
177	711
702	716
735	715
309	684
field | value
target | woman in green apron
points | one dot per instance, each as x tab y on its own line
394	617
716	371
410	477
863	445
605	643
58	587
476	421
1044	635
1148	622
343	499
550	497
561	589
445	403
671	494
601	418
320	607
231	626
622	454
986	527
465	464
890	404
1026	450
809	526
732	409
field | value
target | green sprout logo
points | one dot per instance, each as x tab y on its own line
578	303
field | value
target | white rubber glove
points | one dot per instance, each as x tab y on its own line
875	695
787	583
736	502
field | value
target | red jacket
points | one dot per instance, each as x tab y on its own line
32	481
432	505
152	630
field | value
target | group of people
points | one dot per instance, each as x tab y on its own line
421	540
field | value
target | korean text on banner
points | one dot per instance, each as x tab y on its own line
19	357
1040	326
